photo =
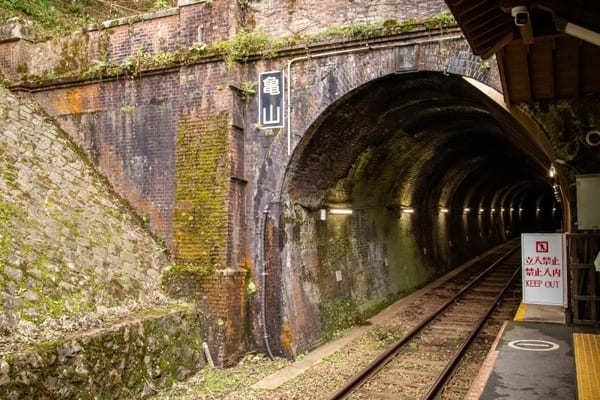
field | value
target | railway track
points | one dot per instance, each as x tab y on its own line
422	363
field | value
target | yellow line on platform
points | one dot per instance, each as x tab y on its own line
587	363
521	312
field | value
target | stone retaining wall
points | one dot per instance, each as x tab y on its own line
129	360
71	253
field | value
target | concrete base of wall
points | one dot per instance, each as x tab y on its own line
133	358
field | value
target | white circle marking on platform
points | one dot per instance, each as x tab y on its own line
533	345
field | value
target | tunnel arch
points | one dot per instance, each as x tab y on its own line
421	159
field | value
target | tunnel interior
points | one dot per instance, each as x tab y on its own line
396	183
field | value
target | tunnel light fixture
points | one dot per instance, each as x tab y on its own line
538	209
512	209
481	210
408	210
520	210
502	209
444	210
552	171
340	211
323	214
467	210
493	210
553	209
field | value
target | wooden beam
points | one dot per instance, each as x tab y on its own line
508	4
529	79
578	70
503	77
480	24
470	17
553	67
493	31
506	39
469	7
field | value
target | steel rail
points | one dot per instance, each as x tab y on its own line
441	380
386	356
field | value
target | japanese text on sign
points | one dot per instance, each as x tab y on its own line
270	99
543	269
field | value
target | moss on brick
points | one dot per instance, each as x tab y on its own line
74	56
241	47
336	316
201	190
7	211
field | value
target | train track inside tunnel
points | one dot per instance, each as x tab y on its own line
429	360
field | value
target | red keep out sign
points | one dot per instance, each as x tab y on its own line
543	269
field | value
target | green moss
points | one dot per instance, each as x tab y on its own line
197	271
442	20
21	69
202	185
7	212
74	56
240	48
60	17
251	288
337	316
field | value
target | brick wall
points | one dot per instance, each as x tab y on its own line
127	128
151	36
154	33
207	23
221	296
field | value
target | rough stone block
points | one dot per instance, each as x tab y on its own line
131	359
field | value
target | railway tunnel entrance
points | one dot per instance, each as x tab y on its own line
397	182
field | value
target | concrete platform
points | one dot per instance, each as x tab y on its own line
540	361
540	313
534	361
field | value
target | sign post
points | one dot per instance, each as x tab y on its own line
270	99
543	269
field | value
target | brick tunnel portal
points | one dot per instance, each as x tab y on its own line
433	173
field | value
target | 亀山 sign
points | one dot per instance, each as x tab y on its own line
270	99
543	269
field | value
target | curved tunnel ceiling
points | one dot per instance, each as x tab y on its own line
420	140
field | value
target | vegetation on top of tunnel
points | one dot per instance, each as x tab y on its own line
61	17
243	46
